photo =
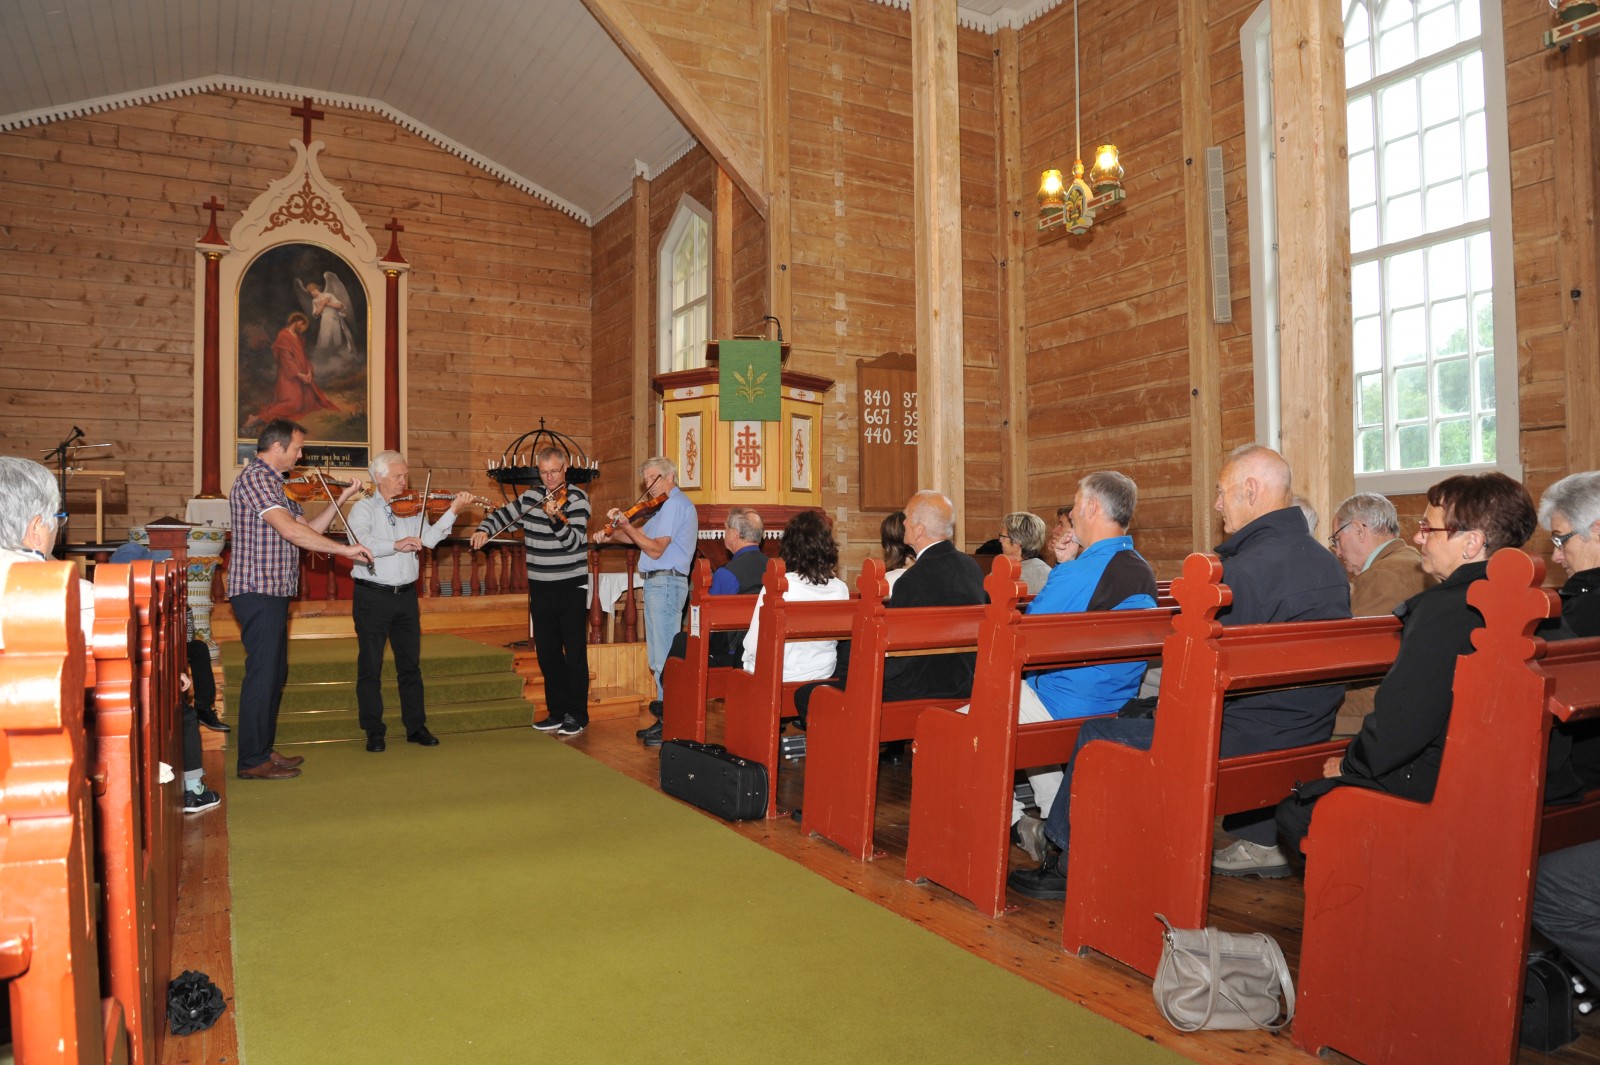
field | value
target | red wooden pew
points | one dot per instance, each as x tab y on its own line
961	781
1142	820
1417	913
137	655
844	728
756	702
48	934
687	683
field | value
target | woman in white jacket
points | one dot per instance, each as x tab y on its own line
810	560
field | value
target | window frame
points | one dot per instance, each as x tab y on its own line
688	213
1260	160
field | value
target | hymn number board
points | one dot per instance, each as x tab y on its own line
886	391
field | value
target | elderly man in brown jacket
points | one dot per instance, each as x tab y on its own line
1384	571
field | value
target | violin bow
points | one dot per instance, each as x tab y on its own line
344	520
422	512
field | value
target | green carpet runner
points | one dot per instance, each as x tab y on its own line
469	687
504	898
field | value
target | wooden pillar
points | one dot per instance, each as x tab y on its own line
775	159
210	394
1013	354
641	320
1313	247
212	247
937	216
394	264
722	258
1574	89
1205	360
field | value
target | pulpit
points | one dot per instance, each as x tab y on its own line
769	466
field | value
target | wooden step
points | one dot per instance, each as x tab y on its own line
326	619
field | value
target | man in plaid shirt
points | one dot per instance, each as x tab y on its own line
269	531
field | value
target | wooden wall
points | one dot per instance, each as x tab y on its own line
695	176
1107	348
854	290
98	219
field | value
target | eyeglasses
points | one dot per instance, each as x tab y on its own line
1333	541
1560	539
1006	538
61	518
1423	528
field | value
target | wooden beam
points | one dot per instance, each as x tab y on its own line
1574	88
1013	353
676	92
1313	247
722	258
775	141
1205	356
937	169
641	320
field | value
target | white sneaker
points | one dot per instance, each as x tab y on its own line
1243	858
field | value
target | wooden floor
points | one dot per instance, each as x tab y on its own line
1026	940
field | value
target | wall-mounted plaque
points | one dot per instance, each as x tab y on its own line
887	429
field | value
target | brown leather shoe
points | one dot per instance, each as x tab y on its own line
286	761
268	771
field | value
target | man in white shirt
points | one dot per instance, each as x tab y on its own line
385	609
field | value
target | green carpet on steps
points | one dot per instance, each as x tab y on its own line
468	687
504	898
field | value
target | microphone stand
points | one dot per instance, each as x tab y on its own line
60	455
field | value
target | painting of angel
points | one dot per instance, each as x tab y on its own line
302	354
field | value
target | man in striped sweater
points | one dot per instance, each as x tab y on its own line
555	524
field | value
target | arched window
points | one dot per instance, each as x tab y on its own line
684	300
1433	333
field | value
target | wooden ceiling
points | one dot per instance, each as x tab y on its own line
532	90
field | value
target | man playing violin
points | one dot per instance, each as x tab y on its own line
555	527
269	532
385	609
666	550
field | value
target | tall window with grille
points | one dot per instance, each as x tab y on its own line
684	270
1431	294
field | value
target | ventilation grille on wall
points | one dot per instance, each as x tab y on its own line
1221	294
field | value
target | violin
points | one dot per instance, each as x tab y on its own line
304	487
410	504
647	503
559	497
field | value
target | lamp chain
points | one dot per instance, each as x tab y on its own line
1077	86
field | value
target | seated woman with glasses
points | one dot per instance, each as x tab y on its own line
1401	743
1021	540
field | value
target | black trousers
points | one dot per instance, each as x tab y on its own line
264	631
558	610
205	683
383	617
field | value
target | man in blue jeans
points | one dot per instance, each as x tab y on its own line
269	532
1277	572
666	551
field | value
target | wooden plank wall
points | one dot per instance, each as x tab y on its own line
1107	358
851	151
716	46
694	175
98	219
1540	184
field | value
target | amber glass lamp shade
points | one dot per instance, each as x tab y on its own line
1052	192
1107	172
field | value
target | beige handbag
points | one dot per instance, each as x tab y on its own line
1212	979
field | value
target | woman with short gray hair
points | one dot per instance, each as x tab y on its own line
1021	540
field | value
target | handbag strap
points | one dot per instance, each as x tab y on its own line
1210	979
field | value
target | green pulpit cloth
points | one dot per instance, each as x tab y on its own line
750	383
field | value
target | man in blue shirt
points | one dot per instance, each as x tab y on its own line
1106	574
666	551
741	575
